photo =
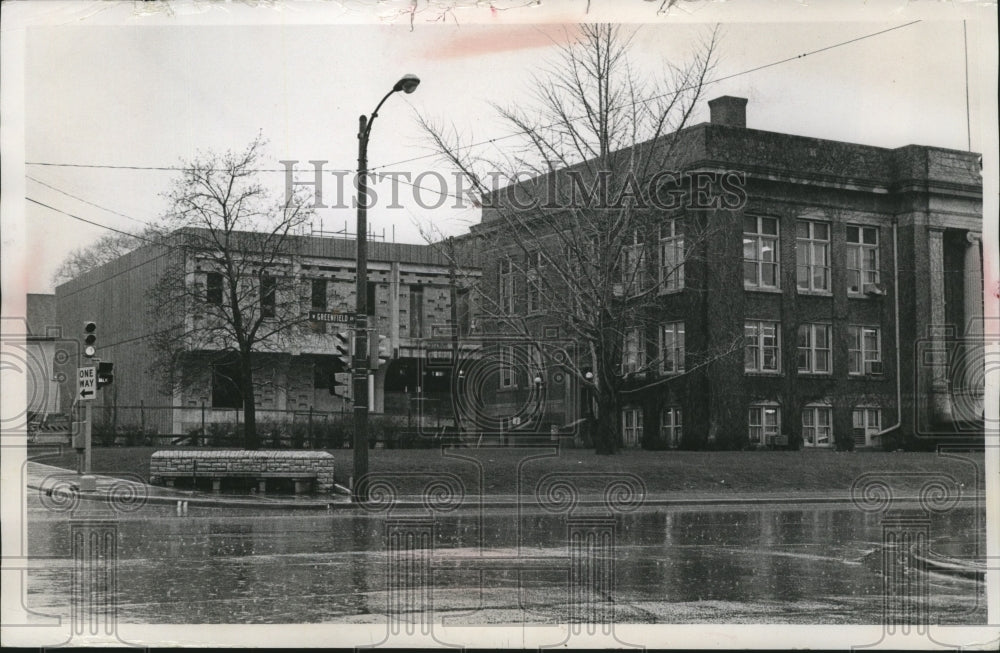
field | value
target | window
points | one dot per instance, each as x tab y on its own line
226	385
534	280
862	258
634	352
814	349
631	426
764	422
865	350
507	367
817	430
672	348
506	278
866	422
670	426
633	267
812	251
671	256
268	291
213	288
317	302
762	347
416	311
760	252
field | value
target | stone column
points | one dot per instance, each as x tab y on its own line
973	285
940	393
971	370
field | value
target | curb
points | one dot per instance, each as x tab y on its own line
413	503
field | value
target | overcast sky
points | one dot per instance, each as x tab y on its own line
150	92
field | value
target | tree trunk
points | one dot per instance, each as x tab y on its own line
250	439
606	432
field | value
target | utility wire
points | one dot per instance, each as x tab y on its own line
80	199
96	224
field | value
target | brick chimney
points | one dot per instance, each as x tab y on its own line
728	110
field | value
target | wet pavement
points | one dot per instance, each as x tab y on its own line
687	564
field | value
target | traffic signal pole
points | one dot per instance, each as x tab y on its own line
88	421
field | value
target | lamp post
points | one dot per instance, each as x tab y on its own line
588	376
360	360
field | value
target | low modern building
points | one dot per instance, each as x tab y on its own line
411	289
849	278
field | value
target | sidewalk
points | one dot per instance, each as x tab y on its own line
39	473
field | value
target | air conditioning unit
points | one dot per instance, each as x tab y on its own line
874	289
873	367
777	440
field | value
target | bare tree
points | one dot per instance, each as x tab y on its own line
105	249
595	227
231	287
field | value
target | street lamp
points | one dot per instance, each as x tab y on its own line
360	361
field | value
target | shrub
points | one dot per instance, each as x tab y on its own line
225	434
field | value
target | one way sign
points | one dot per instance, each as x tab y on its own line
86	383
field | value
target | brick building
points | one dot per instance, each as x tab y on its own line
410	294
851	277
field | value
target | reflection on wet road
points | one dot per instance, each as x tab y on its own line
817	564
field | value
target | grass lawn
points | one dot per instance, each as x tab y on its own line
661	471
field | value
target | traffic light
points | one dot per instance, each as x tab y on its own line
342	344
340	385
379	351
105	374
89	339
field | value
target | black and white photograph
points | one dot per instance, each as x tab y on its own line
515	324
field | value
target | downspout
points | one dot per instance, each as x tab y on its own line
895	320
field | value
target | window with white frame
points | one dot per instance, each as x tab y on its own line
814	349
864	350
763	422
812	253
631	426
534	298
671	256
633	266
866	422
760	252
633	351
671	423
763	346
506	279
817	425
506	367
672	348
862	258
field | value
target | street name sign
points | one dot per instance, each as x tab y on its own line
323	316
86	383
